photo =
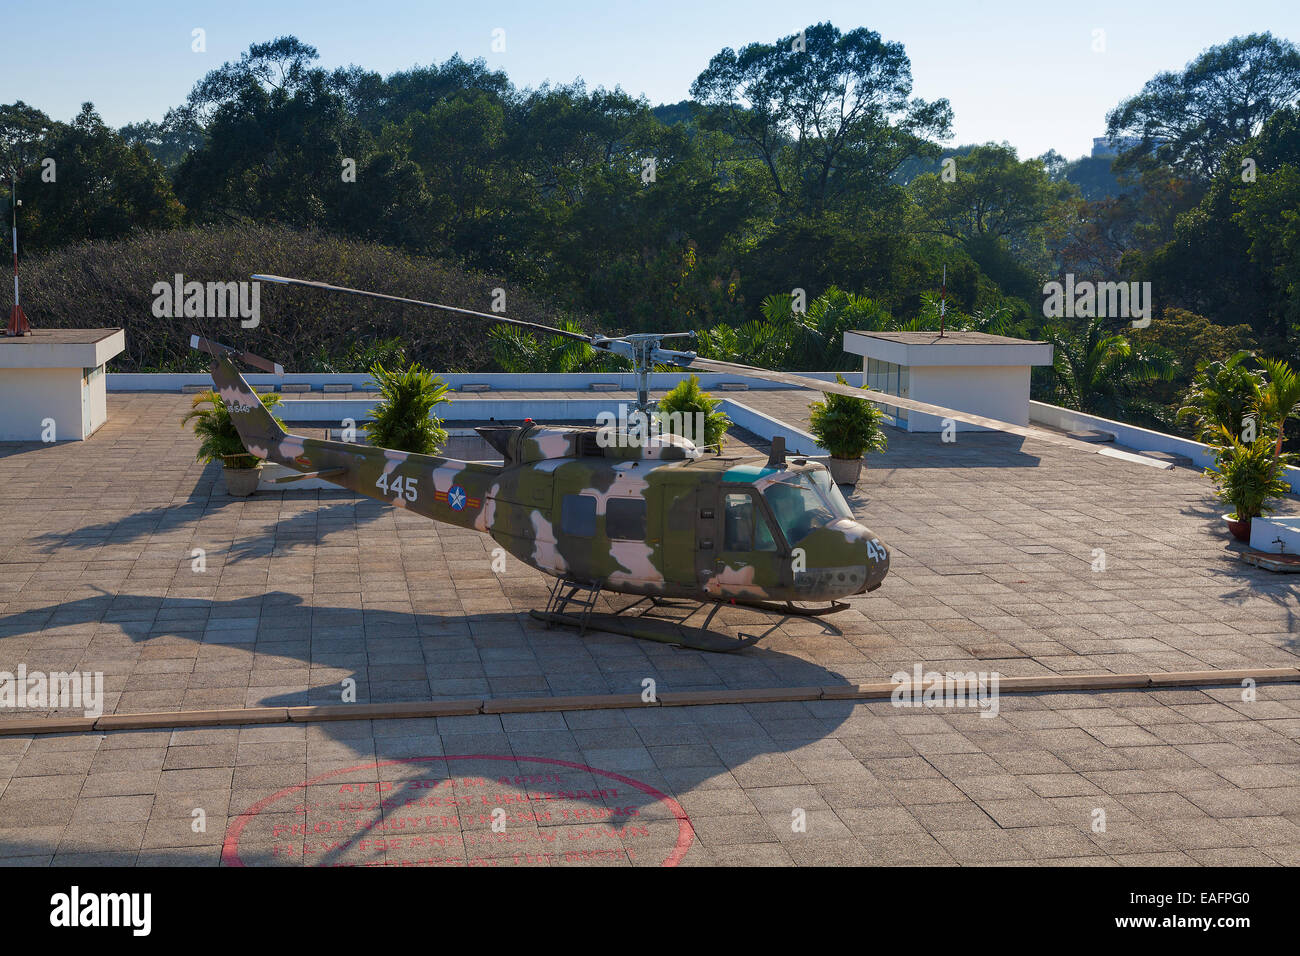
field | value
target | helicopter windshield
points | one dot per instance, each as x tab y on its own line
803	502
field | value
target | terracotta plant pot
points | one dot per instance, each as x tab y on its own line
241	482
844	471
1240	529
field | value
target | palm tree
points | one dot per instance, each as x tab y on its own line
1221	395
1278	399
518	351
1098	371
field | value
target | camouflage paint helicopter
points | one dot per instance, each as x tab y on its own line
653	517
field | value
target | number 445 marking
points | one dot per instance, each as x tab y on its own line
399	486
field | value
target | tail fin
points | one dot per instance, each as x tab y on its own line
257	427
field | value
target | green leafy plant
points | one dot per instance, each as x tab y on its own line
685	400
1248	475
219	440
1278	399
402	417
847	427
1100	372
389	351
515	350
1221	396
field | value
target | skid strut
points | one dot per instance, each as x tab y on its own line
666	620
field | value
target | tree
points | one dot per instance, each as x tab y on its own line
1236	254
1278	399
1099	372
1221	396
170	141
101	188
281	64
1190	120
273	155
997	207
825	113
992	193
22	129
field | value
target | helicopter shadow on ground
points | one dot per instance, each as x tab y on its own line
674	750
300	528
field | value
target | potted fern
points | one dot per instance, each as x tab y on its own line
1248	476
402	418
683	402
848	428
220	441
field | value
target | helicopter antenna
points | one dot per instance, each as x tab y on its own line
642	349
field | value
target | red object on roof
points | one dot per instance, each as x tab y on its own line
18	324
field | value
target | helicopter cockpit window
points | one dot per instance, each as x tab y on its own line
744	526
625	519
832	494
578	515
800	505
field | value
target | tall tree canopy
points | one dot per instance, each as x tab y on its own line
825	113
1190	120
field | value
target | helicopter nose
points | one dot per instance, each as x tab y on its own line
875	558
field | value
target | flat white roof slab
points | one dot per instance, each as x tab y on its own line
61	348
953	348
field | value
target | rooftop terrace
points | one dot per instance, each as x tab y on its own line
994	540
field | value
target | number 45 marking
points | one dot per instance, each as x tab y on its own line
399	486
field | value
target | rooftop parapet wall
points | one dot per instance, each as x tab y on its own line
504	381
1131	436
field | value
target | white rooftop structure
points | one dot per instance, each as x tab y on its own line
971	371
52	383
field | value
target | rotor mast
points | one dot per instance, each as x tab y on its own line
643	350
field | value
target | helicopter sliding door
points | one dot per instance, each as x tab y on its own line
750	559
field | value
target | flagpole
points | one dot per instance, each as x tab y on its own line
18	324
943	302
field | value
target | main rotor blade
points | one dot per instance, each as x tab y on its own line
491	317
883	398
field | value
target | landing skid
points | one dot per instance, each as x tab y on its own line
651	618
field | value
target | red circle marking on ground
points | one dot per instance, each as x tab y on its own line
685	832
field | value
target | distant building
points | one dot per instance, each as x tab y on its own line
1102	146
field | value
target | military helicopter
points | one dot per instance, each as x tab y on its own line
601	510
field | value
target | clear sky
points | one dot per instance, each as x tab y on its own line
1025	73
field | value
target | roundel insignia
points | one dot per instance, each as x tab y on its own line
456	498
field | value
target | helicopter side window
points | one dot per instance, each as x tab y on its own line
744	527
625	519
578	515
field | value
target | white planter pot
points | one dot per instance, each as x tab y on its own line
241	482
844	471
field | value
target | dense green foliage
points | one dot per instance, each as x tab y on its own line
1248	475
846	427
402	418
802	192
218	439
688	399
108	284
1221	396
